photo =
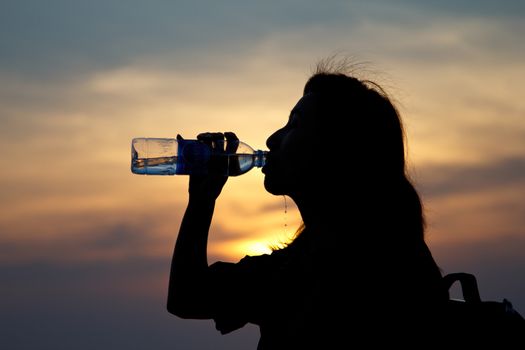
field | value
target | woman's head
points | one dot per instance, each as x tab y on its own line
342	128
342	154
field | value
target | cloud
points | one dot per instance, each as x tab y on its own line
474	203
91	234
466	8
63	36
457	179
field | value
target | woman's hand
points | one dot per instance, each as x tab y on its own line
209	186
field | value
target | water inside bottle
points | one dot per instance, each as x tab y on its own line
239	164
154	166
229	165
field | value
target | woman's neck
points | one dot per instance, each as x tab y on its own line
314	210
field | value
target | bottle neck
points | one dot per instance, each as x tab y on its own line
260	158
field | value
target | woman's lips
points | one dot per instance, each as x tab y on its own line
268	161
265	167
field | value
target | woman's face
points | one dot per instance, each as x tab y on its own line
289	162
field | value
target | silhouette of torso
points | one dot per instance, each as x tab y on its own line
303	299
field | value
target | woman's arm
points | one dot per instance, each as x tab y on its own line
189	282
188	278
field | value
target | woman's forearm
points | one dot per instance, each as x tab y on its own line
188	276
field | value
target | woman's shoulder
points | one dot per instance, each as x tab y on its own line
276	257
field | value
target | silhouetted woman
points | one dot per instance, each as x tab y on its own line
359	268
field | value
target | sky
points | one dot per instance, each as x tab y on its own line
85	245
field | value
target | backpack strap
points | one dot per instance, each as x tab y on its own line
469	285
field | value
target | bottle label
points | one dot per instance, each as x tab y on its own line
193	157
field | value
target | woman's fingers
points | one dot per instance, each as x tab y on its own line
221	143
230	136
213	139
205	137
232	142
216	140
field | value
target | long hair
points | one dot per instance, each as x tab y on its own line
362	122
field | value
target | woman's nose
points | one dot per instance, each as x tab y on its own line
272	140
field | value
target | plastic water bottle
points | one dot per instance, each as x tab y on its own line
169	156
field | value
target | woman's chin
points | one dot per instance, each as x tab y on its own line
273	187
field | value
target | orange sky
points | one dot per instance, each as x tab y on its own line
69	172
